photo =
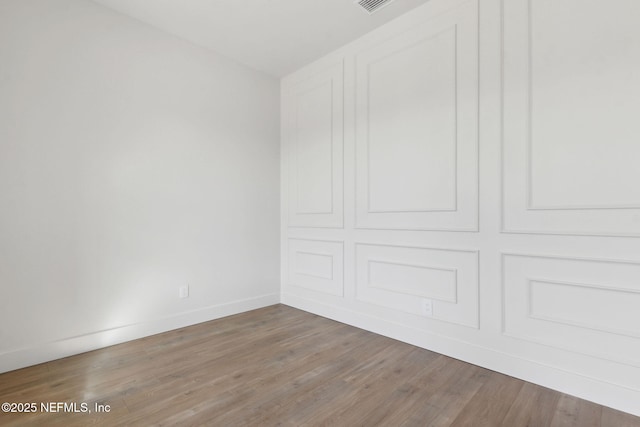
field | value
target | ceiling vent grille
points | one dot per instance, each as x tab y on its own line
372	5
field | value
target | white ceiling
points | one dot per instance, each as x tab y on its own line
274	36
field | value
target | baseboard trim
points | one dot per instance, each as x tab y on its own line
598	391
45	352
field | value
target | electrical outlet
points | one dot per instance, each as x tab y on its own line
183	291
427	307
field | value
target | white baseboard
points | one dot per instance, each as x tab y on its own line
601	392
45	352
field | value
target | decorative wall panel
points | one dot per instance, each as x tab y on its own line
417	127
588	306
403	277
317	265
315	144
570	122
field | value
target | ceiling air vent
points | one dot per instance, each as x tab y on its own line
372	5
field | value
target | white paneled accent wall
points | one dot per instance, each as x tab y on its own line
315	133
571	97
421	85
406	278
316	265
561	301
465	179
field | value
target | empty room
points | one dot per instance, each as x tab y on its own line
320	213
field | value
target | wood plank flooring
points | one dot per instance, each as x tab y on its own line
279	366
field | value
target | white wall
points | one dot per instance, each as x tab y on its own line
465	179
131	163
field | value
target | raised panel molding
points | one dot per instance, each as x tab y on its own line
417	127
314	265
572	303
569	125
410	126
401	277
314	135
593	297
410	278
317	265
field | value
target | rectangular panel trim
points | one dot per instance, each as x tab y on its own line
325	274
453	298
454	207
529	139
556	319
328	276
461	309
446	48
330	210
504	255
304	209
596	354
520	214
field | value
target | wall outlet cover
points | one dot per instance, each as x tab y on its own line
427	307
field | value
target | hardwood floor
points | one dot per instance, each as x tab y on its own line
282	366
